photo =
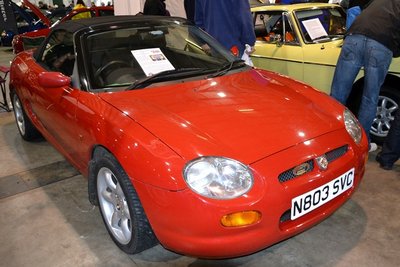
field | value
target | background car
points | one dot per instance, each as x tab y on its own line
33	39
284	45
188	147
26	21
56	14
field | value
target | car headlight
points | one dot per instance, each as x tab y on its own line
218	177
352	126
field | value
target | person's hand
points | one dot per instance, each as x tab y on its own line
253	49
249	49
206	49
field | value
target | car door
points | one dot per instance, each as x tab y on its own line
322	41
55	106
277	46
320	63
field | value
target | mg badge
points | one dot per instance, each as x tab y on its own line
322	162
301	169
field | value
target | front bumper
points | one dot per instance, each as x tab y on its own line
190	224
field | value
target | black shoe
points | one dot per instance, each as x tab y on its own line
378	157
385	166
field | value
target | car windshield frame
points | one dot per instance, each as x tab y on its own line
332	26
171	44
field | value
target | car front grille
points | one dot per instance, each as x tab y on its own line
336	153
288	175
330	156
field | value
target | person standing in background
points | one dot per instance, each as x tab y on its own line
155	7
190	9
228	21
83	15
370	43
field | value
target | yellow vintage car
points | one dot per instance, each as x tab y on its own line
303	41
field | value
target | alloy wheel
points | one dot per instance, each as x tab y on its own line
19	115
114	206
384	116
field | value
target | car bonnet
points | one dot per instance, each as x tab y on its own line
246	116
38	13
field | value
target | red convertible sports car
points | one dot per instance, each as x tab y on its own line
181	142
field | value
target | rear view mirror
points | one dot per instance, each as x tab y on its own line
53	79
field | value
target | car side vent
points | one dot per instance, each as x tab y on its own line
285	216
309	165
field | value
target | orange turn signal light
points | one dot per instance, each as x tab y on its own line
241	218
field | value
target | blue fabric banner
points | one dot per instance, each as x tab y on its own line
7	18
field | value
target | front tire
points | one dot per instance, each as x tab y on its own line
120	207
25	127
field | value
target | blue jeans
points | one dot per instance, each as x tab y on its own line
360	51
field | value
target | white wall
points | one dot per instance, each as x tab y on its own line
127	7
176	8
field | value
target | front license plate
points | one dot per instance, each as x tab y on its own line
317	197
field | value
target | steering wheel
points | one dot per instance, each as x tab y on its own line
107	66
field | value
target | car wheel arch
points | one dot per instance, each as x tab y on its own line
97	152
26	128
141	235
391	81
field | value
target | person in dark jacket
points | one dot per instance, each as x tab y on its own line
391	147
371	42
228	21
155	7
190	9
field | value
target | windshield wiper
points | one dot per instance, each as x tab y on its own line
225	68
162	75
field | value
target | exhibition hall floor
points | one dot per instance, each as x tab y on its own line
47	220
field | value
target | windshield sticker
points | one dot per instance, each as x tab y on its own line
152	60
314	28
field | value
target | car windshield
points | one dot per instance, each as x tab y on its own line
169	50
319	25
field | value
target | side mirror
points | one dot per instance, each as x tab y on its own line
277	38
53	79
